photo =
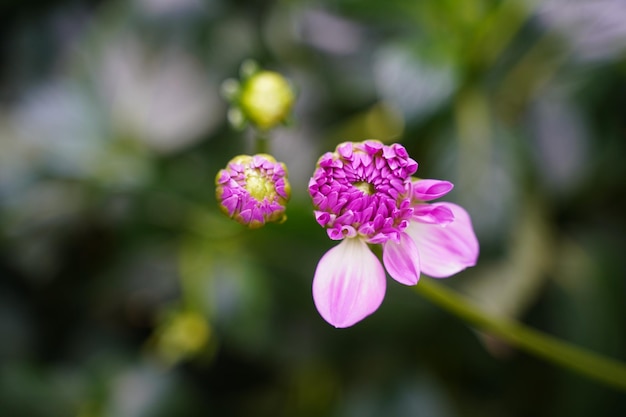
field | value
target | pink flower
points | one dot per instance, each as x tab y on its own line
253	190
363	194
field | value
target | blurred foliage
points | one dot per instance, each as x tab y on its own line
125	292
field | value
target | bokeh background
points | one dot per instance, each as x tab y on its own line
124	292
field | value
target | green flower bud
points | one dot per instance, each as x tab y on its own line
182	335
266	99
261	98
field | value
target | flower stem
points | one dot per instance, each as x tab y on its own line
606	370
262	144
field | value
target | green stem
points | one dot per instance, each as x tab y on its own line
602	369
262	142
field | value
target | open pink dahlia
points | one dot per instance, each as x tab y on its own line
253	190
363	194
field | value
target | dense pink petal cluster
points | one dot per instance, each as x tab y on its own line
253	190
363	189
363	194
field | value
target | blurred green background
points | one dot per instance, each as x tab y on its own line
124	292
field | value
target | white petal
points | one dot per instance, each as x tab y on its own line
349	283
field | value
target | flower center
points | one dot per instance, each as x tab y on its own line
365	187
259	186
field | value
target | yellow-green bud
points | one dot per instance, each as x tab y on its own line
182	335
266	99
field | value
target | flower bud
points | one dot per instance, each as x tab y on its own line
266	99
182	335
261	98
253	190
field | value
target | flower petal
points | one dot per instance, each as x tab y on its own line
349	283
402	260
436	213
448	249
427	190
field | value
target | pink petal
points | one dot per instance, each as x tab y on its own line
436	213
349	283
402	260
427	190
446	250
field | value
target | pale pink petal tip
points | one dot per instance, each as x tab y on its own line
349	283
427	190
402	260
446	250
